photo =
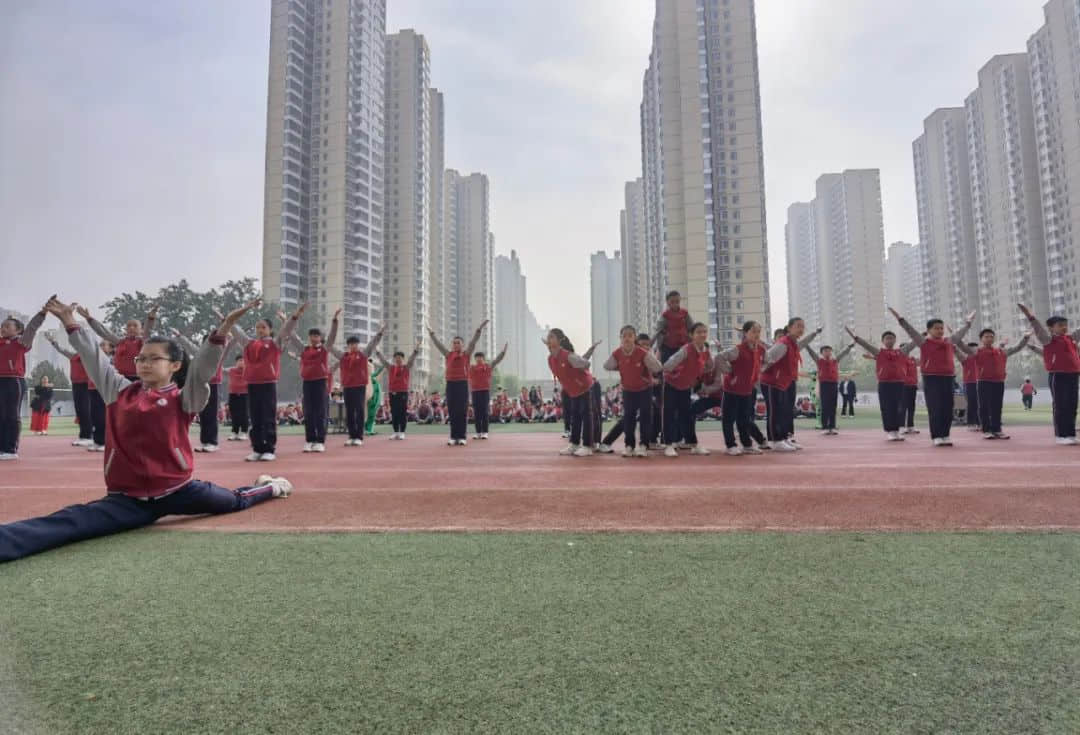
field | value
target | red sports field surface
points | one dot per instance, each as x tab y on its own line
516	482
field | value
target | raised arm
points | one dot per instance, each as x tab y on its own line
375	340
69	354
415	353
861	342
289	327
499	358
1036	349
962	348
435	341
98	366
381	360
806	340
588	353
476	337
1009	352
813	355
196	391
916	335
958	336
26	339
189	347
151	318
1037	327
99	329
332	337
845	352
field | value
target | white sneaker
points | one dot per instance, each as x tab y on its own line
641	451
604	449
462	442
235	437
750	450
309	447
401	436
451	442
938	442
267	457
734	451
682	445
700	451
583	452
670	451
1073	441
1064	441
358	442
568	450
783	447
6	457
946	442
790	441
626	452
253	457
96	448
211	448
894	436
318	447
282	487
566	435
656	447
82	443
477	437
484	435
766	447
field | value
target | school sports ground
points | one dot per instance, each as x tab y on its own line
859	586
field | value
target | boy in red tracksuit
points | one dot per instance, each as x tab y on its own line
965	355
15	341
80	394
457	383
397	385
891	367
990	376
149	463
828	375
911	392
355	375
238	401
1062	363
127	347
480	386
936	360
572	372
315	374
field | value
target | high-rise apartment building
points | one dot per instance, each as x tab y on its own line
606	300
946	227
437	260
469	256
511	313
1010	250
407	225
324	187
703	169
904	283
642	298
804	298
1054	55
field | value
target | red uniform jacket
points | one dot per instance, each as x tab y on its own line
574	381
745	370
237	384
480	377
355	369
633	374
1060	355
12	358
457	366
262	361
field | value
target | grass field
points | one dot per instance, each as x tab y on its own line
867	417
191	633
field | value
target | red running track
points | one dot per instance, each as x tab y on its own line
516	482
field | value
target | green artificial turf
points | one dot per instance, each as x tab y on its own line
175	632
867	417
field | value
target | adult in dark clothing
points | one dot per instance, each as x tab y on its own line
848	392
41	406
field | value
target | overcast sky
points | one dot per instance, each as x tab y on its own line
132	132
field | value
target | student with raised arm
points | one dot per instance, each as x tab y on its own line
937	362
457	382
149	463
262	367
315	376
80	393
1062	363
891	366
238	401
125	348
742	367
572	372
397	384
355	366
480	385
990	373
208	417
828	375
911	392
636	365
15	341
682	371
779	372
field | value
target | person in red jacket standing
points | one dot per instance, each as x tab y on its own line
355	369
15	341
572	372
208	418
480	385
80	394
127	347
1062	363
397	385
828	376
990	376
891	367
682	371
262	366
911	392
673	329
149	463
779	372
315	374
741	365
936	358
965	355
457	382
636	365
238	401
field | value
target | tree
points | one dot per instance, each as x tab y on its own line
179	307
55	375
